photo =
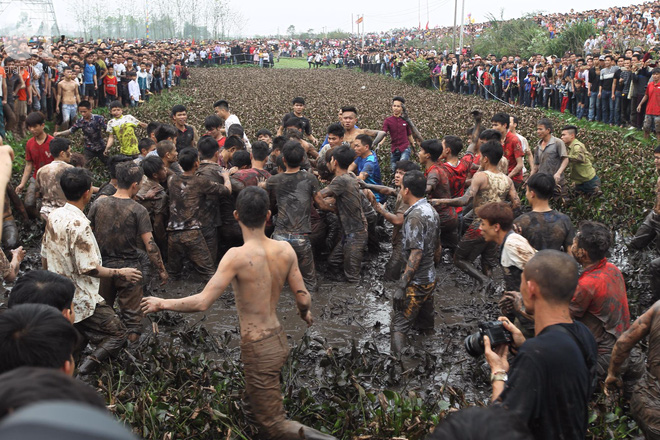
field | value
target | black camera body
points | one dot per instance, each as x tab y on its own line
498	335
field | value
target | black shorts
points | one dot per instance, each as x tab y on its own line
90	90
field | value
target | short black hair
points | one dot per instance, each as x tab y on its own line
454	143
25	386
212	121
235	130
365	139
432	147
501	118
187	158
35	335
415	182
406	165
145	144
298	100
546	122
264	132
337	129
543	185
165	132
221	104
234	142
114	161
152	127
344	155
595	238
555	272
34	119
401	99
241	158
115	104
252	206
207	147
293	121
293	153
493	151
58	145
260	150
152	165
490	134
570	128
75	182
128	173
178	109
43	287
349	108
84	103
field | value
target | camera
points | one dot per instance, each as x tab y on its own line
498	335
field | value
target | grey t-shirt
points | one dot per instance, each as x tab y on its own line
549	159
421	226
349	203
294	193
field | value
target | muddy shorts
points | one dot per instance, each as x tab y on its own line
104	329
645	406
473	244
189	244
303	247
652	122
127	295
262	362
9	234
349	253
418	309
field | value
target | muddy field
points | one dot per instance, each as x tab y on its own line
186	380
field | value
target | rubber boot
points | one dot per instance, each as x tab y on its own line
94	360
398	343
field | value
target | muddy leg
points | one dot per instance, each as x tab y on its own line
9	234
646	234
353	254
105	329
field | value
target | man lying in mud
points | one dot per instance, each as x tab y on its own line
257	271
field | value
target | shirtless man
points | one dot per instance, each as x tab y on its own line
489	185
67	95
648	232
349	119
257	271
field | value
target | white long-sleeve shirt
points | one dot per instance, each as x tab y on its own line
134	90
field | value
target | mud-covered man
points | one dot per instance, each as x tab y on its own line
293	193
645	400
118	221
257	271
153	197
188	194
413	297
48	177
648	232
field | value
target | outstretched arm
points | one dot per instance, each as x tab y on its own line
200	302
477	181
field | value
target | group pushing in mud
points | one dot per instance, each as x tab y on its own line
268	213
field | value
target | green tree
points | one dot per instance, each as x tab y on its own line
291	30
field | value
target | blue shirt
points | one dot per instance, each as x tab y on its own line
90	73
370	166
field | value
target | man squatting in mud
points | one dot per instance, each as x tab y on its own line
260	265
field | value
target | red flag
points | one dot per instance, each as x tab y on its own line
427	25
359	20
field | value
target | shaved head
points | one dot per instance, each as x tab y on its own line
556	274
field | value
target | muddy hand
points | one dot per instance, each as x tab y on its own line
150	304
399	296
612	383
164	277
307	317
130	274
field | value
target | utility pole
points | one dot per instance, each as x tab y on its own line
460	40
453	40
362	31
419	14
352	33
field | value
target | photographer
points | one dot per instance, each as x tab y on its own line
553	374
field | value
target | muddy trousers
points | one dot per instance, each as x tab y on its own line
396	263
127	295
189	244
648	233
302	245
10	116
105	330
9	234
349	253
263	361
30	202
645	405
210	234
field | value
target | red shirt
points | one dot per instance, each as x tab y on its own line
458	175
22	93
486	78
513	150
438	178
399	131
601	292
221	141
110	83
653	103
39	155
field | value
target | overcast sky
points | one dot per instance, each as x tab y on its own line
265	17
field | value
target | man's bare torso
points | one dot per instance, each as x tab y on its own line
68	90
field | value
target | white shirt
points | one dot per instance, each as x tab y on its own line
134	90
516	251
233	119
71	250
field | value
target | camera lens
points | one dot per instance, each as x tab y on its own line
474	344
